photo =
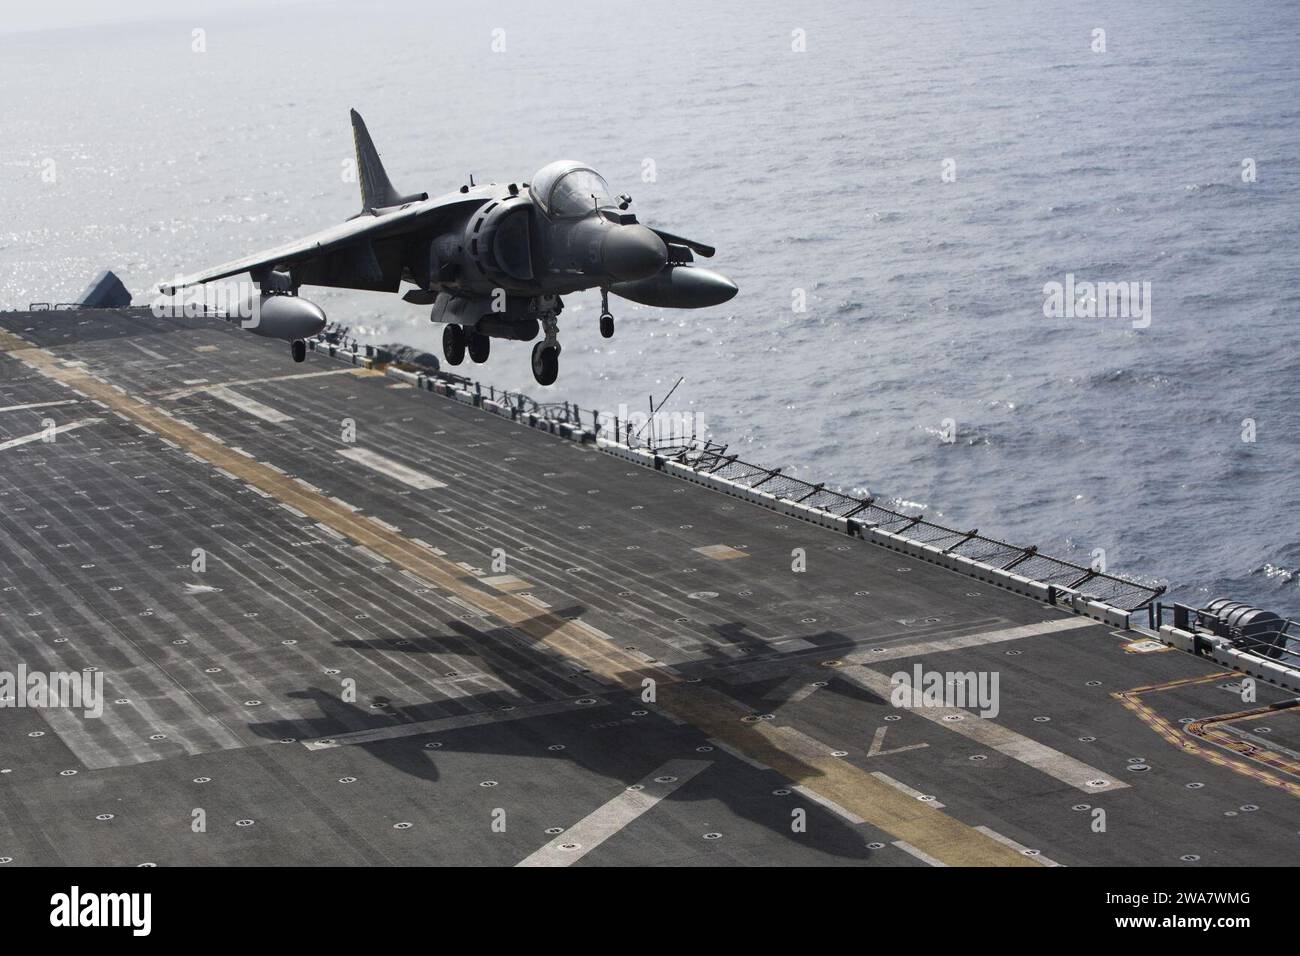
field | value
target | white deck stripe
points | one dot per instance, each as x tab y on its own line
919	854
393	469
250	406
196	388
1020	847
597	827
904	788
793	689
449	723
149	352
967	640
19	408
38	436
984	731
829	804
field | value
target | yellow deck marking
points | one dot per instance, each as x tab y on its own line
721	552
11	343
1132	700
711	712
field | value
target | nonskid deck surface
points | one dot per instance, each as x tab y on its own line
353	680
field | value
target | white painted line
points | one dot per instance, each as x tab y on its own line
790	645
391	468
726	748
1019	847
367	553
466	606
419	582
982	730
330	531
877	748
792	689
47	433
199	385
67	401
606	821
967	640
830	805
150	352
919	854
291	509
799	744
384	524
904	788
458	722
250	406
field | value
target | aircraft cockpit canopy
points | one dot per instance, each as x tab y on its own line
565	190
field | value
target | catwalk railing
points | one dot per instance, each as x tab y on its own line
867	512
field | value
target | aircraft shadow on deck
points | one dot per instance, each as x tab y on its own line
409	755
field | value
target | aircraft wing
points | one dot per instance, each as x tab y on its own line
363	228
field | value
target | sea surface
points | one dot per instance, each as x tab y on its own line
819	173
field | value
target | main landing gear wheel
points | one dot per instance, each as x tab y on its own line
299	349
479	346
453	344
546	363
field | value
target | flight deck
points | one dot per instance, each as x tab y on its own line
344	620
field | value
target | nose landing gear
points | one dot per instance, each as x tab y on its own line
298	348
546	353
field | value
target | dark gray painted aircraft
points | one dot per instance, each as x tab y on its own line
493	261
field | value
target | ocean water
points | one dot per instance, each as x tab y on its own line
818	170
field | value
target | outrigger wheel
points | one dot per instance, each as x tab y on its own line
299	349
453	344
546	363
479	346
606	317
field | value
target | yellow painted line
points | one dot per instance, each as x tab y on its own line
715	714
1172	735
10	342
721	552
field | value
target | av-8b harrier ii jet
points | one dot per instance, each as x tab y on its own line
492	260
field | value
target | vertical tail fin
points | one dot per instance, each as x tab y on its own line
376	191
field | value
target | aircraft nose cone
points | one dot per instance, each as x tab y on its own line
633	252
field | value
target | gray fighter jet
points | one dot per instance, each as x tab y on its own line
493	261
